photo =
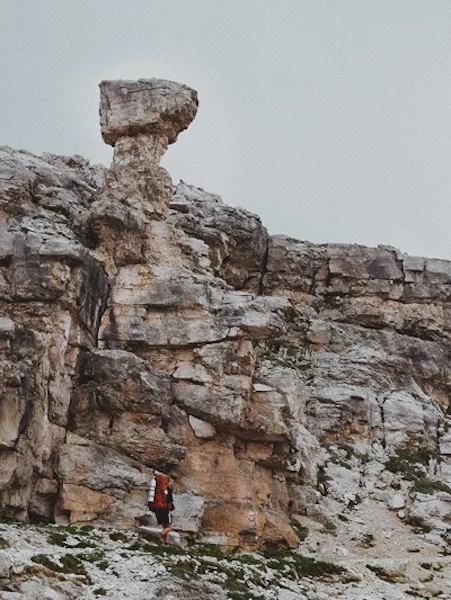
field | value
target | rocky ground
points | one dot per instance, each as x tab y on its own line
365	552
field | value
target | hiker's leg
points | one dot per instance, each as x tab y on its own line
166	530
164	533
165	522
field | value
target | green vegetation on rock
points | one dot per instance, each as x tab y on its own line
410	463
68	564
300	530
429	486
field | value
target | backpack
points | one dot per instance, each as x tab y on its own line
160	494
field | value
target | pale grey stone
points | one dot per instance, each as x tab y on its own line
146	106
202	429
5	566
397	501
188	513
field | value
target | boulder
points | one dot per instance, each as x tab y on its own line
146	106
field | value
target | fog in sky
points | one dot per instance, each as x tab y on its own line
331	119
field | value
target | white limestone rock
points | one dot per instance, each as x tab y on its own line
202	429
397	501
146	106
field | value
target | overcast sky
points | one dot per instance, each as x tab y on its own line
331	119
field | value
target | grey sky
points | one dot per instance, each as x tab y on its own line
331	119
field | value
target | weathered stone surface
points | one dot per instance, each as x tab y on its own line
122	403
190	511
5	567
149	327
236	239
397	501
146	106
59	189
100	484
202	429
217	317
203	590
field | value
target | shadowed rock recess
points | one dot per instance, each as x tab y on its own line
145	325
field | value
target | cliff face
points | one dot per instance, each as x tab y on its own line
145	326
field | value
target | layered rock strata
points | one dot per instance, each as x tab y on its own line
145	326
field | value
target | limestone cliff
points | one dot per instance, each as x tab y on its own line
151	326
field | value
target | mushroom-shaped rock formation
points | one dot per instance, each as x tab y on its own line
139	118
153	110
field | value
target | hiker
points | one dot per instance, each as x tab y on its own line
160	502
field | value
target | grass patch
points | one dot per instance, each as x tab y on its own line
418	524
244	576
382	573
329	527
411	462
69	564
429	486
59	538
343	454
300	530
100	592
322	478
71	529
98	558
208	550
118	536
156	549
247	559
301	566
4	543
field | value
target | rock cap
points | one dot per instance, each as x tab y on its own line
145	106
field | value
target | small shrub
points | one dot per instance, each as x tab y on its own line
70	564
419	525
135	546
57	538
208	550
367	541
57	535
428	486
410	462
4	543
382	573
300	530
301	566
322	478
100	592
333	300
329	527
118	536
247	559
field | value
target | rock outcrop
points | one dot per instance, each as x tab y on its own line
150	326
